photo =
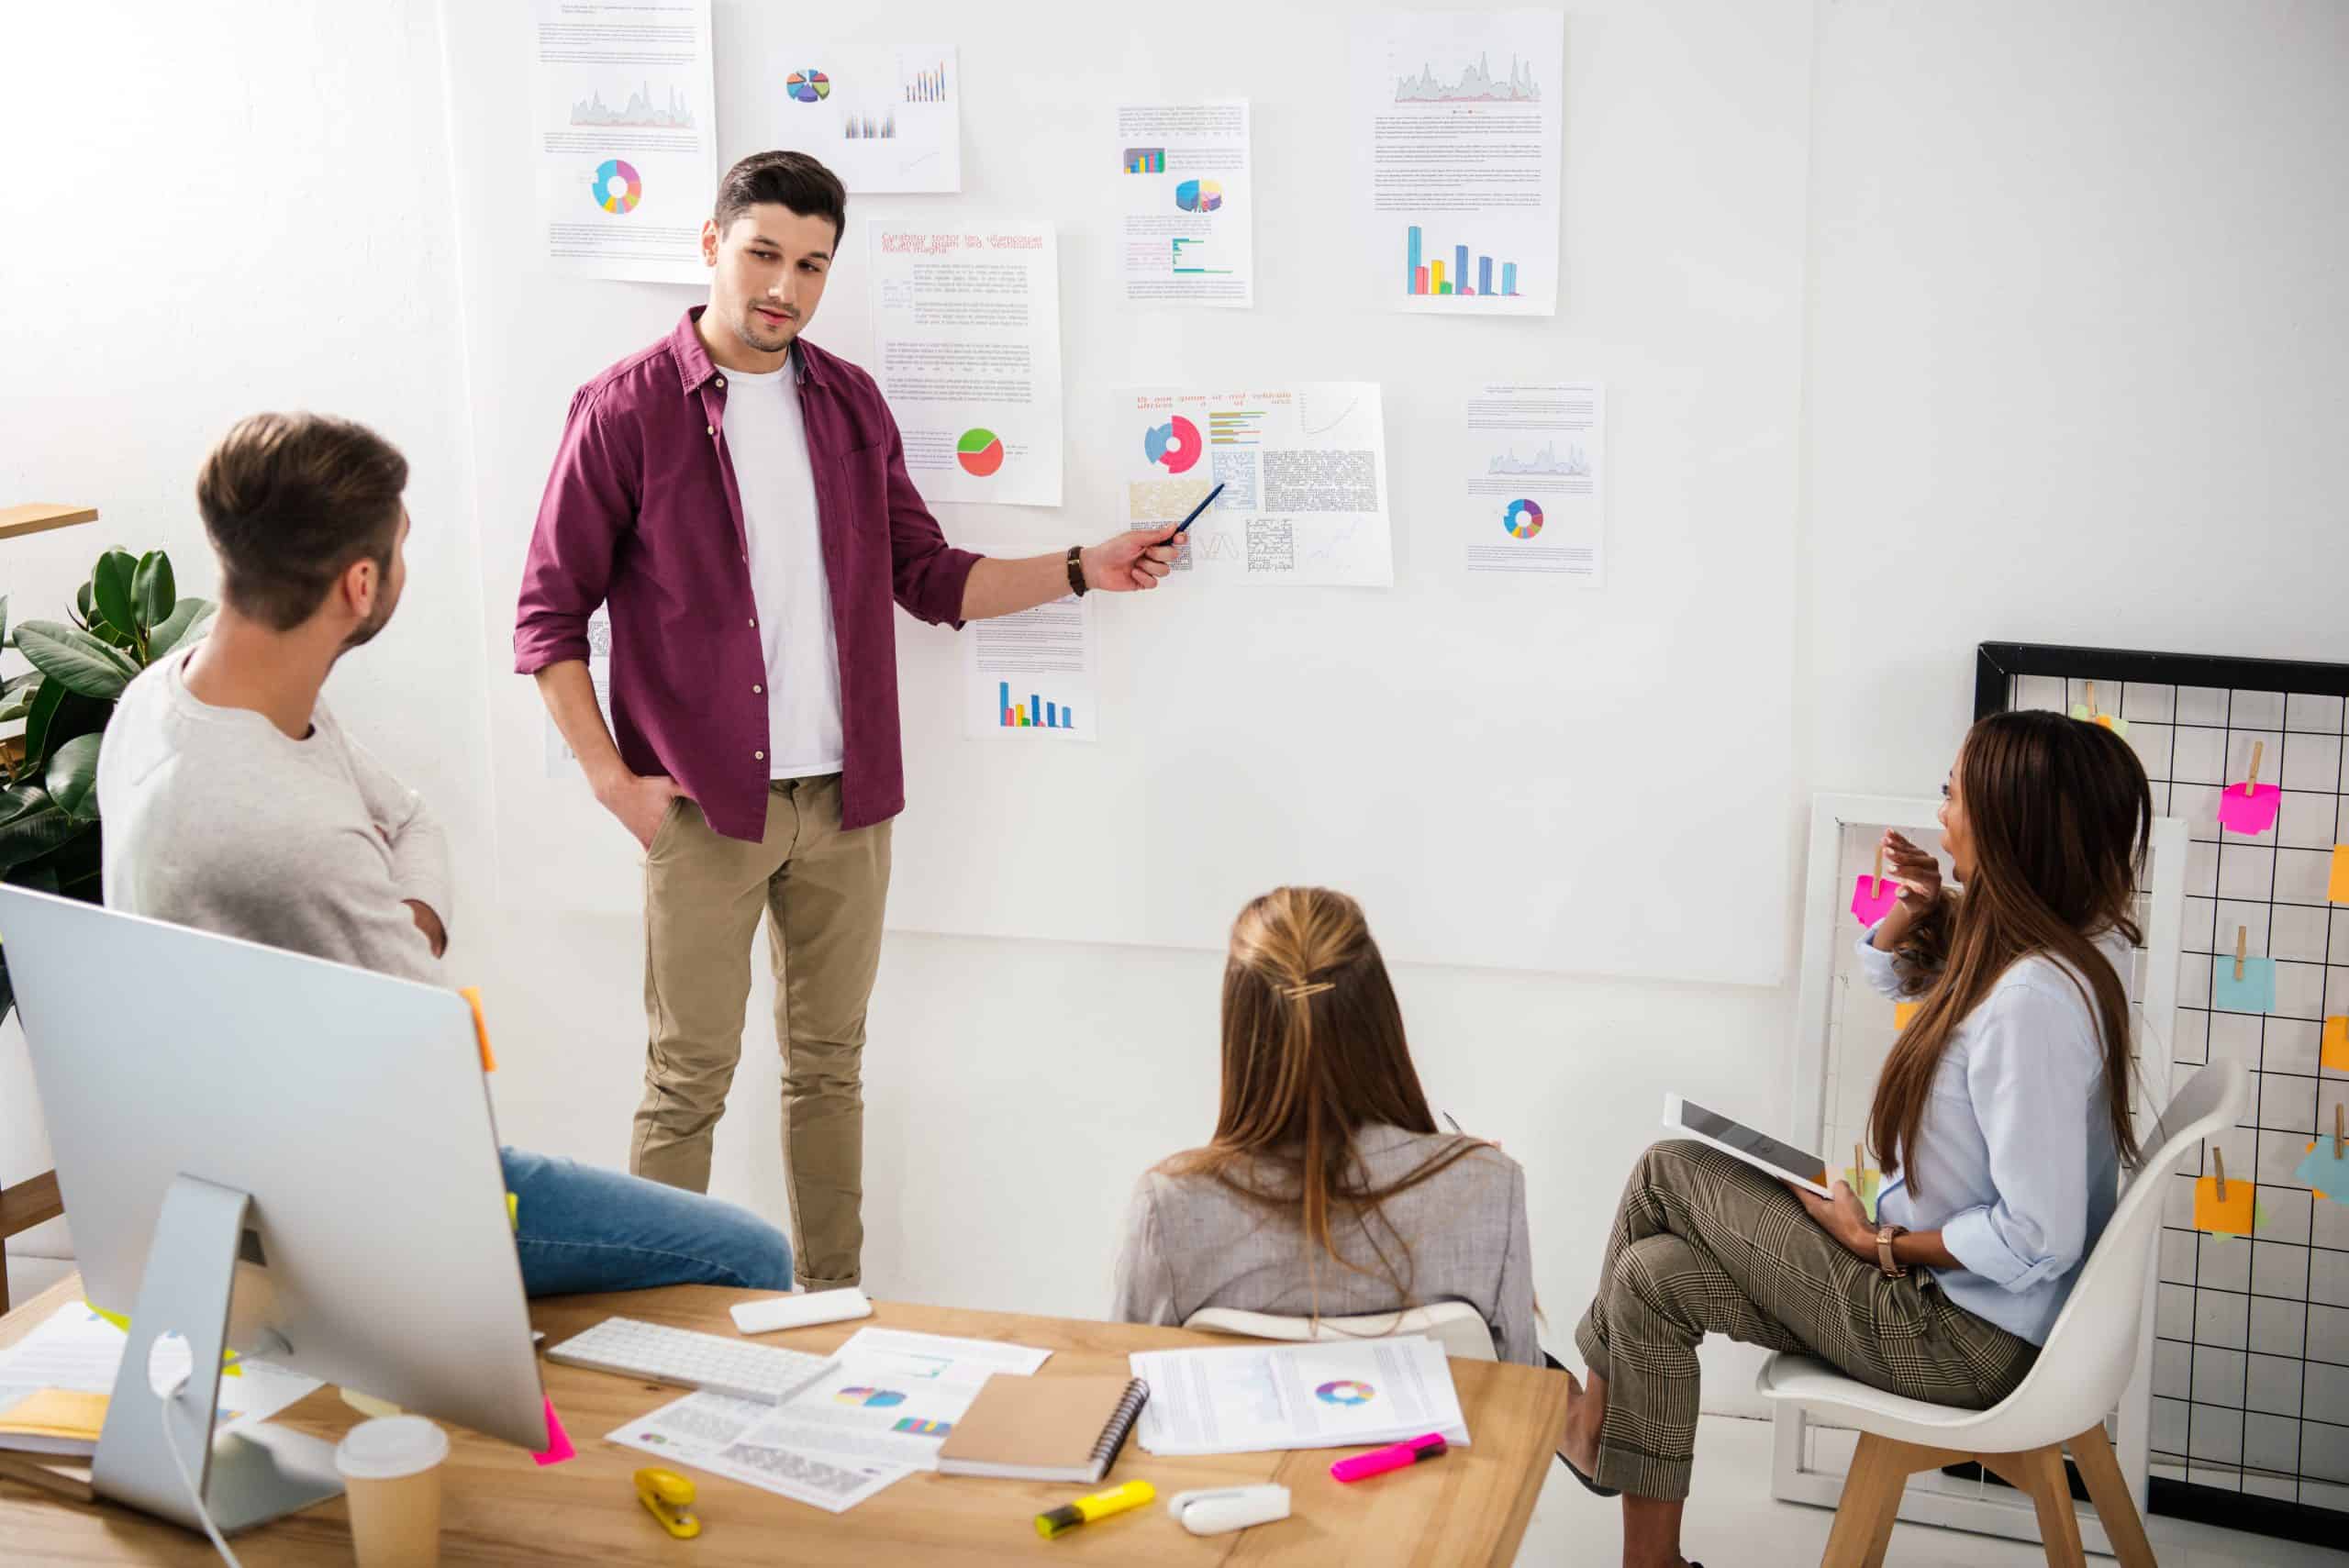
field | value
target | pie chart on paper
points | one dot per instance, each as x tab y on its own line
980	451
1173	446
1522	518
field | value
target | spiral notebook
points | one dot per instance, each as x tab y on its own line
1044	1429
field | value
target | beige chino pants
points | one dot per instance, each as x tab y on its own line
822	891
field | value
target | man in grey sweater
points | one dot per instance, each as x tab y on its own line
234	802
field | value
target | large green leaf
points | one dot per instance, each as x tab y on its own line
75	658
110	590
22	690
189	620
35	834
152	591
75	868
18	800
72	778
37	720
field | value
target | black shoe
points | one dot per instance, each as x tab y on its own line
1595	1489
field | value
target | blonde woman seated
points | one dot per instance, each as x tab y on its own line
1327	1190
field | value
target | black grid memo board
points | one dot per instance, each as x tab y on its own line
2251	1353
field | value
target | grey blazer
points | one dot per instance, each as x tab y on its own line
1192	1243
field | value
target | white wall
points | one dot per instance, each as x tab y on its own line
215	210
2073	361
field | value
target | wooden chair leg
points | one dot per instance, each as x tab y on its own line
2108	1489
2039	1475
1870	1500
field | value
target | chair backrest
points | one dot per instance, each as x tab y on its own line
1459	1328
2092	1348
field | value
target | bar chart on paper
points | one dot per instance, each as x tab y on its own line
1029	676
1035	713
1426	272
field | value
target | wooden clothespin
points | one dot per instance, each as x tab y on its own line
1877	891
2340	1130
2091	699
2219	1168
1859	1164
2240	934
2258	752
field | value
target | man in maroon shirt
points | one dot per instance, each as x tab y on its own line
739	498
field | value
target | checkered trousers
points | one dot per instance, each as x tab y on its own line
1706	1244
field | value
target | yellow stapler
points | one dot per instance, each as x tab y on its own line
668	1494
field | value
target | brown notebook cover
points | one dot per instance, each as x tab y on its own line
1044	1429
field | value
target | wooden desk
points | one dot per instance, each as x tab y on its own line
499	1508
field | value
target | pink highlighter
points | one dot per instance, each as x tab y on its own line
1379	1460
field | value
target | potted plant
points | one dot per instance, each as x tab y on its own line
125	618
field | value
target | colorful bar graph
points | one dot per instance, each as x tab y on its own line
1033	713
1145	160
927	87
1424	274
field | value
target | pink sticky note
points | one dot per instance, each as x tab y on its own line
2253	813
1869	905
558	1440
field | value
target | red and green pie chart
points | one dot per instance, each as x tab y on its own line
980	451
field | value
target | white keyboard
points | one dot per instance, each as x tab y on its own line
711	1361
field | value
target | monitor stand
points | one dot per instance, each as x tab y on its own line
246	1478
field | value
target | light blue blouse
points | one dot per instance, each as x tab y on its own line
2015	1162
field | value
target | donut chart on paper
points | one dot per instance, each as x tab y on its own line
1173	446
1345	1391
1522	518
617	186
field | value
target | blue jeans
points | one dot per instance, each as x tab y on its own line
580	1229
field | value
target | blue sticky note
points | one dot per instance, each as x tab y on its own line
2254	992
2326	1171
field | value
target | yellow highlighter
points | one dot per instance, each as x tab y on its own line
1099	1506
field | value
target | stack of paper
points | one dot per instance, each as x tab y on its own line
877	1417
76	1353
1253	1397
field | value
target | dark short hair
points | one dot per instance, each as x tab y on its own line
788	179
289	502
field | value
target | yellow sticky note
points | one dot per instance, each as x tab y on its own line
2336	1044
64	1413
2337	889
480	1027
514	1210
1904	1011
1865	1184
2234	1217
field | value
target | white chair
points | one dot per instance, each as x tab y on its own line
2062	1401
1459	1328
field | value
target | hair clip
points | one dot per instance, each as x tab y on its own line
1300	993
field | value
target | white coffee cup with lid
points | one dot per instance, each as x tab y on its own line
391	1471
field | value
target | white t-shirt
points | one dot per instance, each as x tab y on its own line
768	442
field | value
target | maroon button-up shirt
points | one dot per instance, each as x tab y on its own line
643	513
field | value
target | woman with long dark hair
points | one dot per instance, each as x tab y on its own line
1327	1190
2000	1121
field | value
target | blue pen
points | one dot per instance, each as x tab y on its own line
1195	511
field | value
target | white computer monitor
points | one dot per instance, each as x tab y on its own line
317	1136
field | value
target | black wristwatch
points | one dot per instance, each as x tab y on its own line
1076	570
